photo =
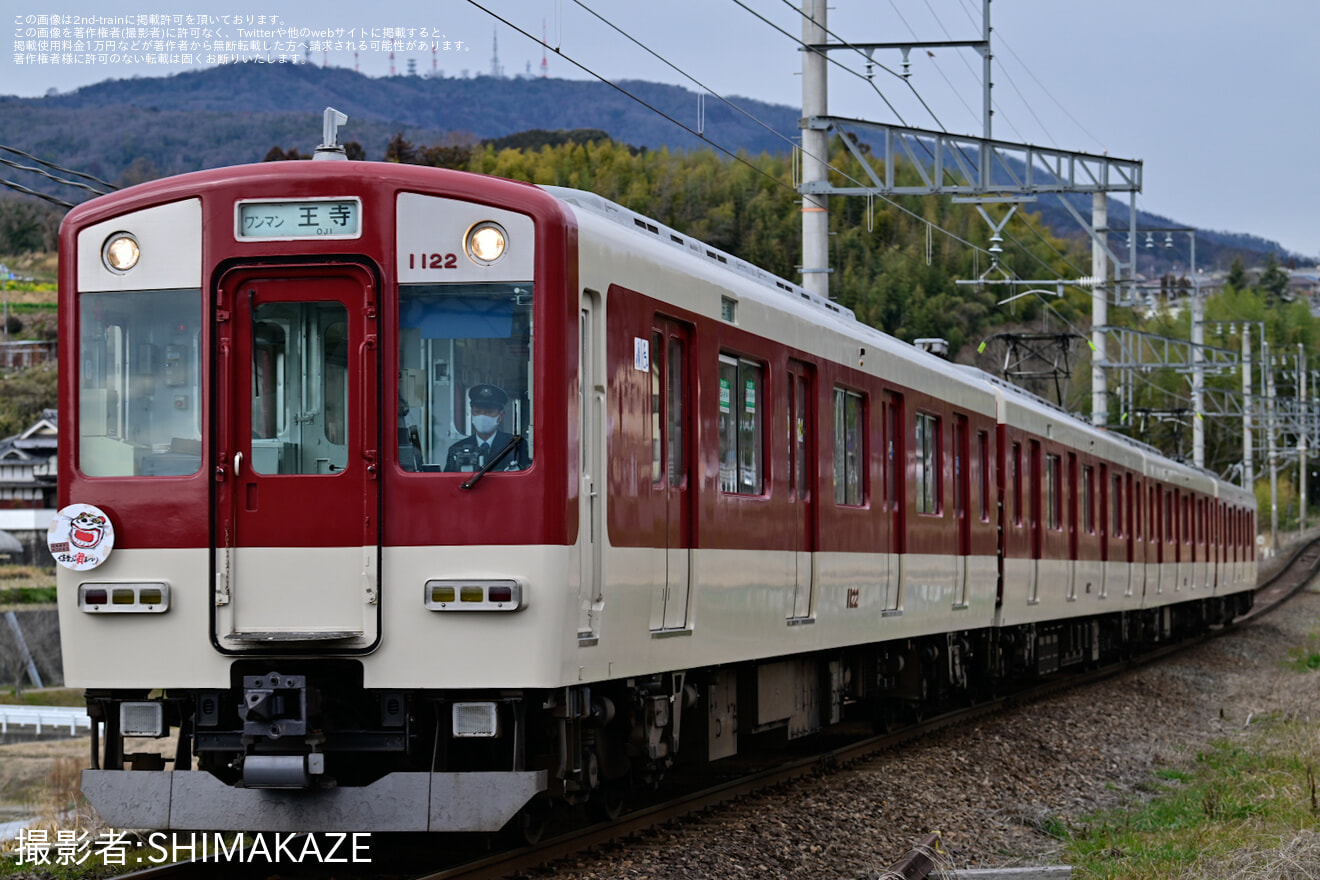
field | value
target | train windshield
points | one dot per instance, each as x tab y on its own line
465	377
138	387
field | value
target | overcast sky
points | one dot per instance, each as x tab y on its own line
1219	100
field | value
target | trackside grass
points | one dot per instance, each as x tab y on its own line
1245	808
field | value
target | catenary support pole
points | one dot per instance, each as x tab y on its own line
1099	311
815	154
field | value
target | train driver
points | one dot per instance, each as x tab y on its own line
487	441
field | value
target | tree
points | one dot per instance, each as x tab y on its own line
1274	282
24	394
400	150
445	157
1237	275
26	225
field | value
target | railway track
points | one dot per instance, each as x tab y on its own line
470	863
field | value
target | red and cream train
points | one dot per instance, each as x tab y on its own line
732	509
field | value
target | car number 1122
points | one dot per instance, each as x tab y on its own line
433	261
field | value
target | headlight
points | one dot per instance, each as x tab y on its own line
486	243
120	252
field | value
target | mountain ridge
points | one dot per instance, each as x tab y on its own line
135	128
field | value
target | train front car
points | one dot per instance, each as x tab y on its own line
317	503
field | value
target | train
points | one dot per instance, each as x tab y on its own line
411	499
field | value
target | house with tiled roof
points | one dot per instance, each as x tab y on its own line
27	485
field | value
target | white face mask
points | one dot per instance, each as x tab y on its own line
485	424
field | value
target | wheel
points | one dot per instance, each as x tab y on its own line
607	803
528	827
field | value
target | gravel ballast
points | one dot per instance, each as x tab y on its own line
998	790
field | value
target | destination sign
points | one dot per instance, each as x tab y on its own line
306	219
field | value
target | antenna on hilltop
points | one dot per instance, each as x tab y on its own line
545	63
495	69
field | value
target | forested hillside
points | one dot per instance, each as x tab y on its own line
897	265
127	130
883	268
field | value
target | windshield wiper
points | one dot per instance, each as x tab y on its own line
499	457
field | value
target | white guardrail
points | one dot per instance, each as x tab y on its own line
70	718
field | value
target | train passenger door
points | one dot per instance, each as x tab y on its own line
670	468
801	484
297	493
591	404
962	490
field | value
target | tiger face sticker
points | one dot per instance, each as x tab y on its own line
80	537
86	530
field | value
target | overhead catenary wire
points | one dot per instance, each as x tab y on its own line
869	60
1008	48
790	142
830	60
705	138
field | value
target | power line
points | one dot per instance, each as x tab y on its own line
626	93
837	64
18	187
753	117
1037	81
907	81
732	154
59	168
48	175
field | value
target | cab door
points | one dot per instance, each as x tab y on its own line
297	492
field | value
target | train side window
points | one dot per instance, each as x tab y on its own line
929	465
1116	505
983	453
1088	499
674	464
849	454
1169	519
1052	515
1016	464
657	433
740	428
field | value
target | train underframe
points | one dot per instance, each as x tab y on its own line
302	745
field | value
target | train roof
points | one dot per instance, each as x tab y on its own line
915	364
794	299
630	219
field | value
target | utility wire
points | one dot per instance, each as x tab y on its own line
722	149
907	81
47	174
59	168
1034	78
790	142
23	189
752	116
656	110
837	64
